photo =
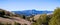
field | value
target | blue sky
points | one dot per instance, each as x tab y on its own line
19	5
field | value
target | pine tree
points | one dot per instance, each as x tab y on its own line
55	20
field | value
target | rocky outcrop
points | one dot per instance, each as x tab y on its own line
11	18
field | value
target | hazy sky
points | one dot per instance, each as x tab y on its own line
19	5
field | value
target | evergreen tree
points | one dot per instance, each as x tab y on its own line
55	20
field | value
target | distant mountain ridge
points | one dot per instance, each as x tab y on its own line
31	12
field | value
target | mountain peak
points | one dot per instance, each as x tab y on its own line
30	12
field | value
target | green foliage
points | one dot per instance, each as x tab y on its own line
38	22
44	18
8	24
2	13
4	23
34	23
1	23
17	23
55	20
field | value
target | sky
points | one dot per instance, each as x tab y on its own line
20	5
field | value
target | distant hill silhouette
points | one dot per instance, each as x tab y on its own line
31	12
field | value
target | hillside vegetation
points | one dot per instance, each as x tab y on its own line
39	19
55	20
52	19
